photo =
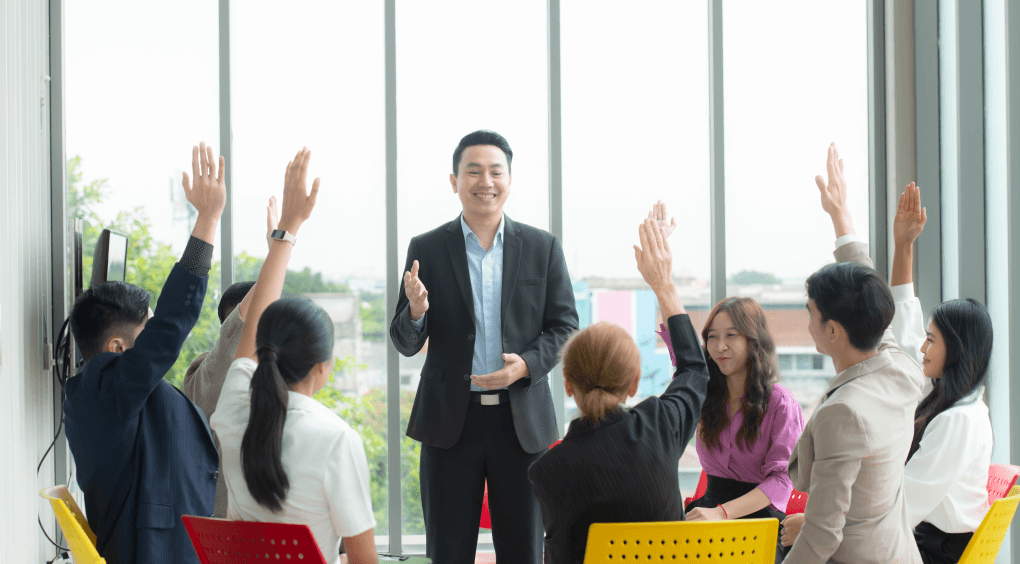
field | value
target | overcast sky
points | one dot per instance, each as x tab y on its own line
142	88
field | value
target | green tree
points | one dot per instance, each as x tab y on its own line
754	277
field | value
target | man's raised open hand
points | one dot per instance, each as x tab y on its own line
833	193
910	216
209	192
417	295
297	201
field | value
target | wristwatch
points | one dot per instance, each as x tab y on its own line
282	235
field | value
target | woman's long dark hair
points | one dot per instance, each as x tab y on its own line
293	336
749	320
966	330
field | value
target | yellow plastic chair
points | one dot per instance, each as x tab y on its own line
742	540
80	538
984	545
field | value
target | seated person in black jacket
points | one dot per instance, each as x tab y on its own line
619	464
144	454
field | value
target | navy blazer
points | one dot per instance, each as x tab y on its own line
623	467
144	453
537	314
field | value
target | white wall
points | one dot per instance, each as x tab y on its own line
26	405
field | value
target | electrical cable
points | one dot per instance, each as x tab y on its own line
63	358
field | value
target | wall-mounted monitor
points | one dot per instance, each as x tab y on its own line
109	261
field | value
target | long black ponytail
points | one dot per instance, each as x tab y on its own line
966	330
293	335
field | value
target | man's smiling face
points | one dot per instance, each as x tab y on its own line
482	181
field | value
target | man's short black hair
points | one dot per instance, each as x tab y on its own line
482	137
103	310
857	298
231	297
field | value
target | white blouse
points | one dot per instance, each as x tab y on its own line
945	482
324	459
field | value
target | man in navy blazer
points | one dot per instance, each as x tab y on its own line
494	299
143	451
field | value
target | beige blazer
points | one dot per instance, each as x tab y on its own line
851	456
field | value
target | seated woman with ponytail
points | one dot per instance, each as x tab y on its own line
619	464
286	457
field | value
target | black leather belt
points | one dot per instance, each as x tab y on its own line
490	398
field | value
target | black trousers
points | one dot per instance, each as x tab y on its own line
723	490
938	547
452	485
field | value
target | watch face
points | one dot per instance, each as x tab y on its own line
277	234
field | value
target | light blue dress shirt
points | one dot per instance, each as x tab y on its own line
486	271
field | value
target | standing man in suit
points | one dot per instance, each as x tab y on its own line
143	451
494	299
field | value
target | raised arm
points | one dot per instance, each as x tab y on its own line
140	369
908	323
686	393
297	207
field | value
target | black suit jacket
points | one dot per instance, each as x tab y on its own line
536	316
143	451
622	468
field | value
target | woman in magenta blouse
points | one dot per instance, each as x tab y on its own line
749	423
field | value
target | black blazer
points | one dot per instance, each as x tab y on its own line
536	316
622	468
143	451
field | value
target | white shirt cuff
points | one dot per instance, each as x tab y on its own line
419	323
902	292
851	238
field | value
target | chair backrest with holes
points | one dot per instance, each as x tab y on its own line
1001	477
749	541
218	541
984	545
80	538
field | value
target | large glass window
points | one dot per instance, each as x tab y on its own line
137	98
635	131
794	83
321	88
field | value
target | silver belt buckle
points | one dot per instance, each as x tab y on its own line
490	399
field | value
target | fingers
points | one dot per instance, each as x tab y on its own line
414	269
203	166
643	236
637	255
665	214
315	192
820	182
209	162
924	215
187	185
830	162
223	165
195	171
303	167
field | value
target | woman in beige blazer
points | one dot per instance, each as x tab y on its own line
850	456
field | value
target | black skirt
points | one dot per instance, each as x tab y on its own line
723	490
939	547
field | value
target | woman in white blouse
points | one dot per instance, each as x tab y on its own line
946	475
286	457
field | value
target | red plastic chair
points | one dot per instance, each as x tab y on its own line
1001	477
218	541
798	500
486	520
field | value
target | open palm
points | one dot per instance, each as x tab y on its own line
910	216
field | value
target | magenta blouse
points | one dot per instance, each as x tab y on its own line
765	463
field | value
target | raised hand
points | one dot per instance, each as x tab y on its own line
654	259
297	201
833	193
514	368
416	293
910	216
209	193
661	216
272	219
